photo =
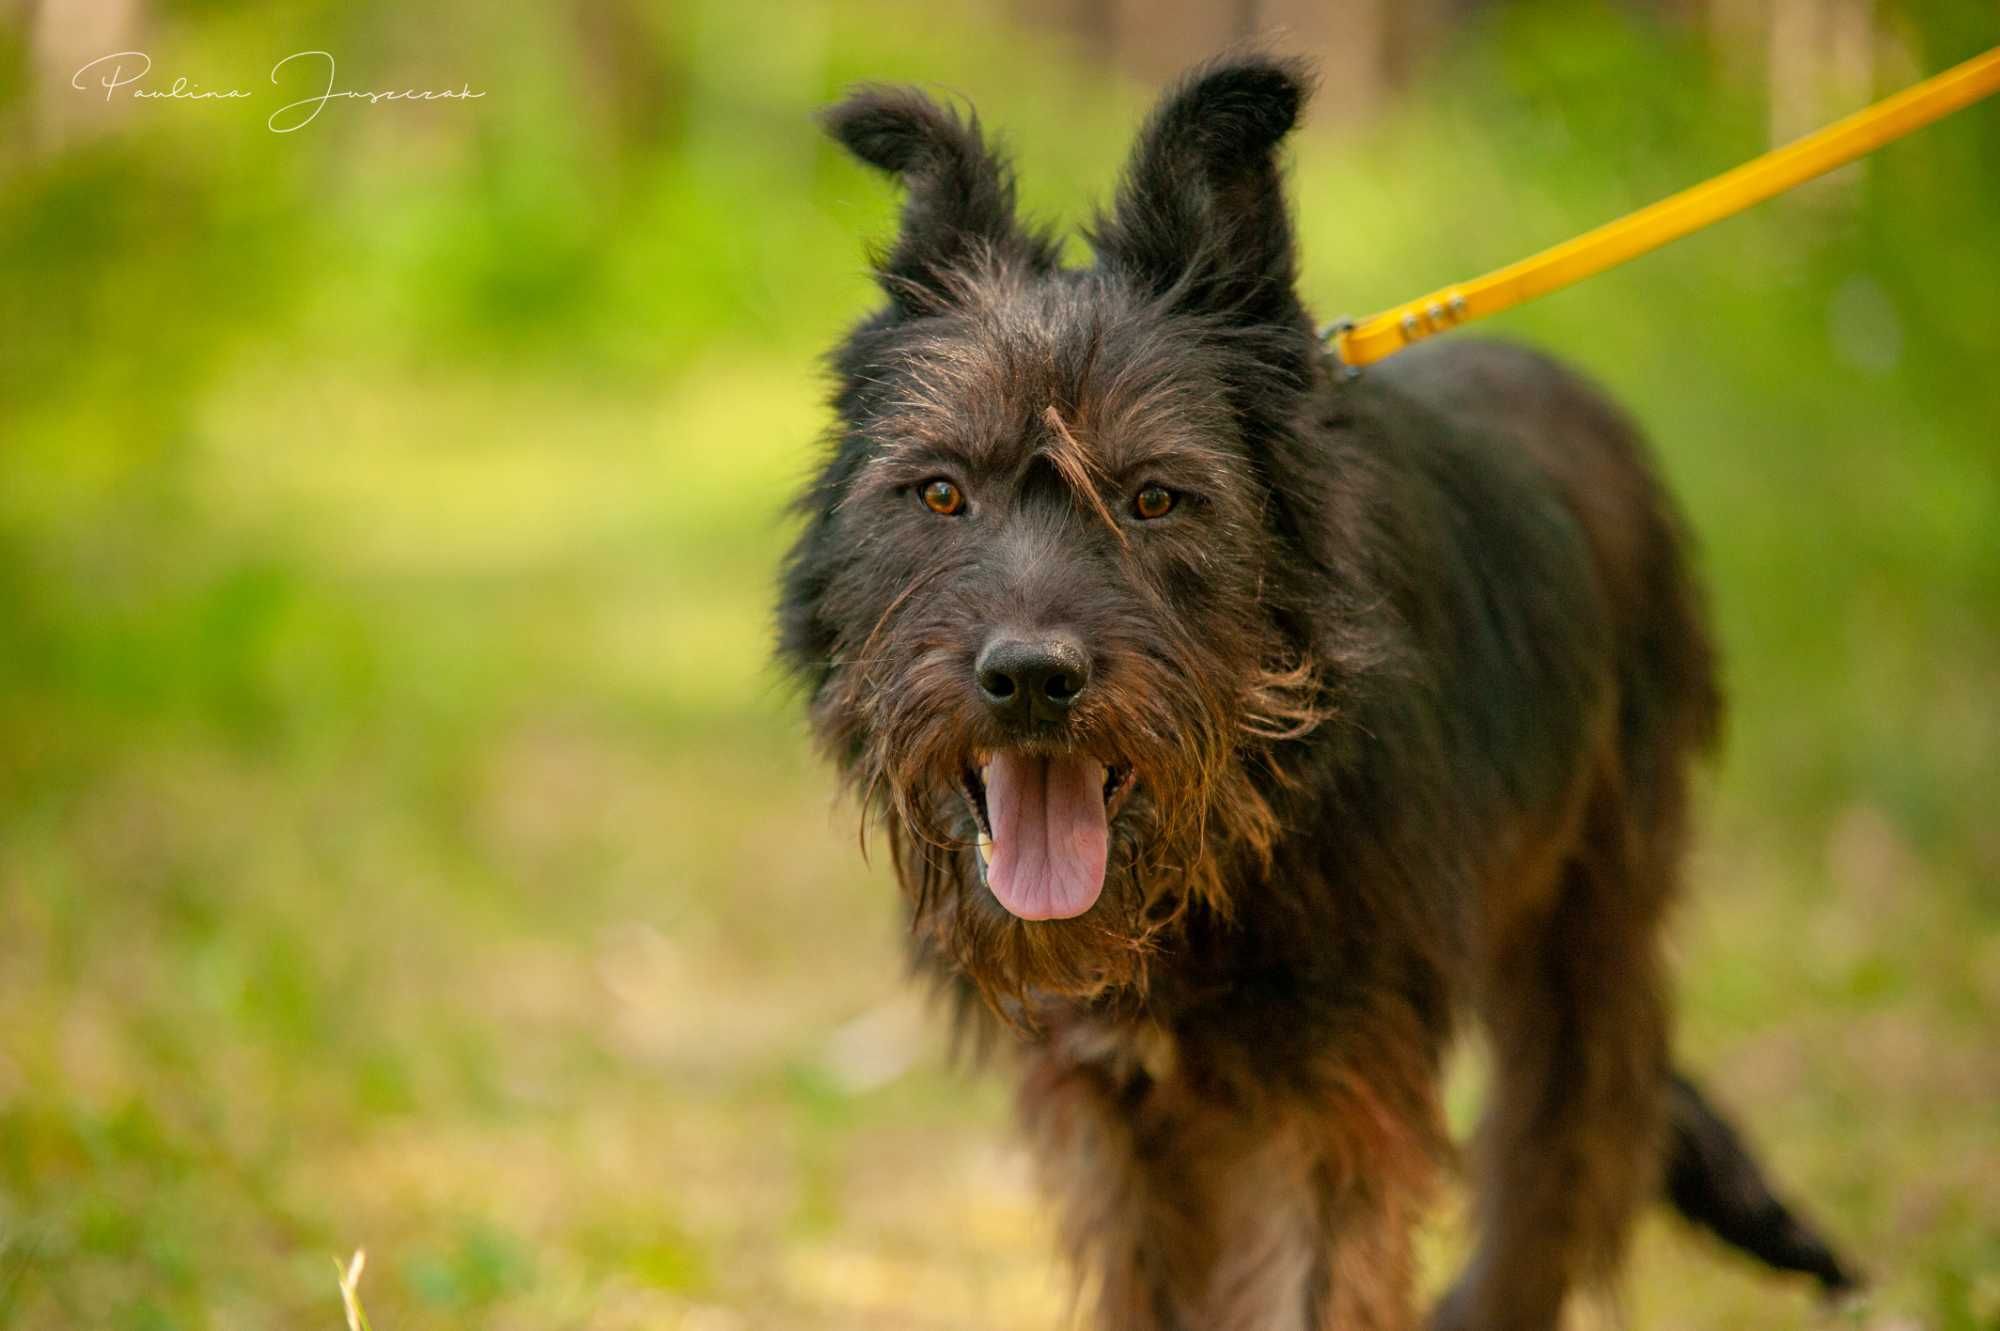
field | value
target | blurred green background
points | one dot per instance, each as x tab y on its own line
404	843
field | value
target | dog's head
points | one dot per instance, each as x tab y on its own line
1054	599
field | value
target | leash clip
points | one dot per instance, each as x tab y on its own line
1329	342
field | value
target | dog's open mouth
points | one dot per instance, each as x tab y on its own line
1043	828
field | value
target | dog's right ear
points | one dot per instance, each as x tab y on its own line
959	202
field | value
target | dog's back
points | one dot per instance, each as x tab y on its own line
1541	447
1566	935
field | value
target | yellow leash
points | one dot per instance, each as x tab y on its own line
1363	342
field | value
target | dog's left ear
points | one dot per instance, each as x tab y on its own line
1200	216
958	208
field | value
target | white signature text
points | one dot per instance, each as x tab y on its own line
311	71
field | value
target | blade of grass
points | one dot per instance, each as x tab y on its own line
350	1290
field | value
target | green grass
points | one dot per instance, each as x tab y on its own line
405	846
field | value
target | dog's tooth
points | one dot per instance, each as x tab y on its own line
985	851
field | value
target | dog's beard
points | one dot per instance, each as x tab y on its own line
1191	814
975	868
1018	964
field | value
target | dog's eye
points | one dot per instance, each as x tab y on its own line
942	497
1153	502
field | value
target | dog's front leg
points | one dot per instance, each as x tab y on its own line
1185	1212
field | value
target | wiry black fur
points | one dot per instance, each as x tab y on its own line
959	198
1409	682
1200	218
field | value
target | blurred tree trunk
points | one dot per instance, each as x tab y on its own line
1365	49
63	37
1821	62
1156	39
1735	32
630	84
1821	66
1352	41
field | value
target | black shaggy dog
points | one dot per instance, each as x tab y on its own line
1240	730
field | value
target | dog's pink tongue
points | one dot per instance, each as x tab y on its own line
1048	834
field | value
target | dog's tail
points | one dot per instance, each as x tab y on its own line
1712	1181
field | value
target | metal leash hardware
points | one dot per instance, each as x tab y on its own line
1329	335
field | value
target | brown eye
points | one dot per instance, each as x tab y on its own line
942	497
1153	502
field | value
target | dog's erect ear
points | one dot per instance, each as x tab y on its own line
1200	215
959	204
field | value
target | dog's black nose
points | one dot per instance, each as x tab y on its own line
1032	679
